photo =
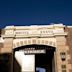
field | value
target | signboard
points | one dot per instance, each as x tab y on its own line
34	51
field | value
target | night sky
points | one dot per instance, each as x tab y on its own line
30	12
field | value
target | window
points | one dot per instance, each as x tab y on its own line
63	70
63	66
63	56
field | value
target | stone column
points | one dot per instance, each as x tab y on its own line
61	47
8	45
7	49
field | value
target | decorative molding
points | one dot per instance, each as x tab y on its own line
34	31
22	42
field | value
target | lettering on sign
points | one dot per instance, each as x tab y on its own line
27	32
34	51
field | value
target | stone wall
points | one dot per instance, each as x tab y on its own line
69	42
0	32
1	43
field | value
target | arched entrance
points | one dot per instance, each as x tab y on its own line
38	57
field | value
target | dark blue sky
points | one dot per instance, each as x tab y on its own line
27	12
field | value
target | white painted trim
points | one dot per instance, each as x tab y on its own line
34	26
69	26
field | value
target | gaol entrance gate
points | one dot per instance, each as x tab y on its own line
49	36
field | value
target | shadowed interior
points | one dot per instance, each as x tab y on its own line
44	61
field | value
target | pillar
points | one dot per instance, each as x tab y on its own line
61	47
7	49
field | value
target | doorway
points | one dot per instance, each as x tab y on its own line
44	62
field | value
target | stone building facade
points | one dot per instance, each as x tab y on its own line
23	48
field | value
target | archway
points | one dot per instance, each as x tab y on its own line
45	61
41	55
